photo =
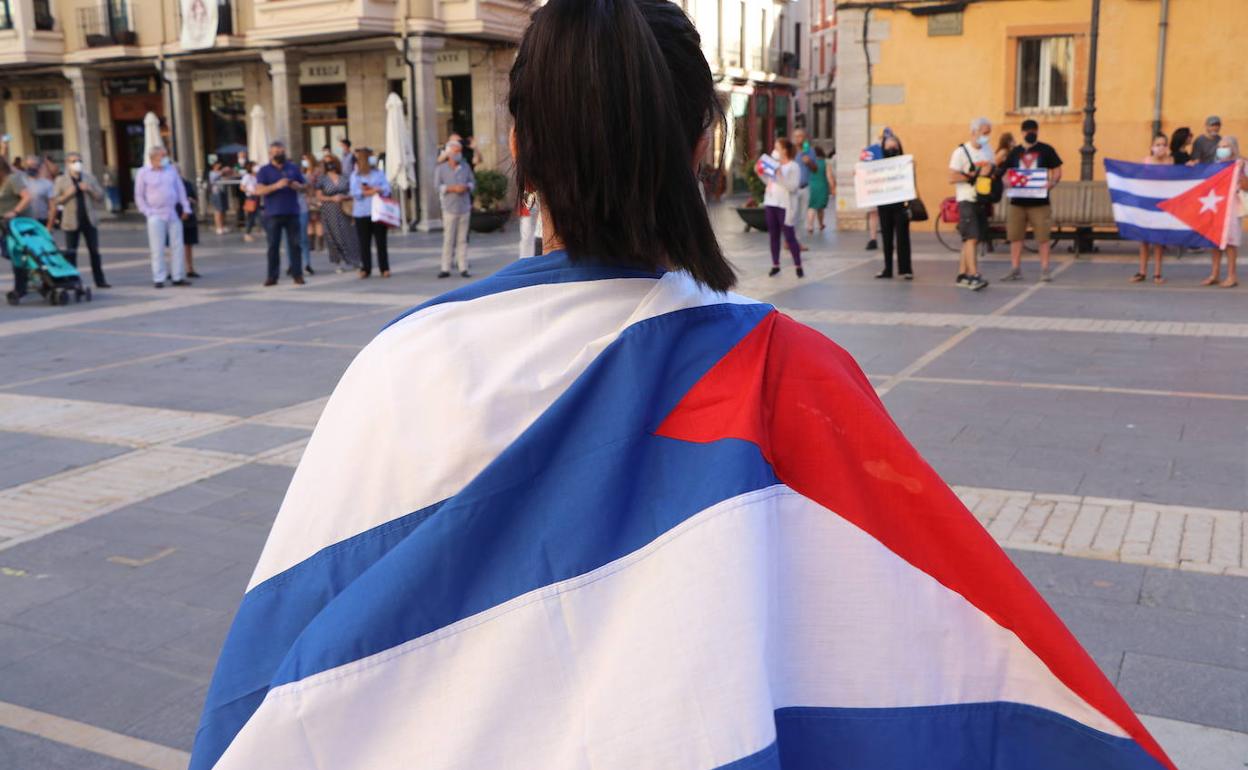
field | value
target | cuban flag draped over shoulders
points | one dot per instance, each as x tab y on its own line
1189	206
579	516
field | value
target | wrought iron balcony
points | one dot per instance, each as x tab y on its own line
105	22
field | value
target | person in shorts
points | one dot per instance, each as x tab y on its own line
1036	213
969	161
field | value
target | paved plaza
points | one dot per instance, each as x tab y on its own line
1098	429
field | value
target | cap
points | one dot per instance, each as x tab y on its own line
1213	120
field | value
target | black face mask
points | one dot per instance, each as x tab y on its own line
279	158
892	152
1031	137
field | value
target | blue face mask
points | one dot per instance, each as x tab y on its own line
164	162
983	141
1223	153
457	157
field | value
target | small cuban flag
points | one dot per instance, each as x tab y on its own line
1027	183
1188	206
766	167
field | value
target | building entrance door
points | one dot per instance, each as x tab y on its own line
129	157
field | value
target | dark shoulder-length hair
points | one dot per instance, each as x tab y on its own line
609	99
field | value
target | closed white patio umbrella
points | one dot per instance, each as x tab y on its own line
400	159
151	135
258	135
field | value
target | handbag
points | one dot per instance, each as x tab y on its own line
250	205
917	211
386	211
988	188
348	207
949	210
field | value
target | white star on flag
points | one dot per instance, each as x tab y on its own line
1210	202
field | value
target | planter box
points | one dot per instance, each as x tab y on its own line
754	217
488	221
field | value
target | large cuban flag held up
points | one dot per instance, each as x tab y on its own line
1189	206
576	516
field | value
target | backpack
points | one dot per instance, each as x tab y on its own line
988	189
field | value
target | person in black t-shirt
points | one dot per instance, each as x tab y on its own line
1034	211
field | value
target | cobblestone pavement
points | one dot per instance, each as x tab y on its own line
1098	429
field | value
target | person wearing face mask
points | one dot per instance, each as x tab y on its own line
77	192
1034	212
161	197
1158	154
366	182
455	182
1227	151
780	202
895	226
40	189
971	160
281	184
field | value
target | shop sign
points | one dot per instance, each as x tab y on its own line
223	79
396	68
944	24
135	84
323	71
39	93
450	63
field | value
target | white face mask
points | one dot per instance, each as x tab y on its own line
1223	153
75	166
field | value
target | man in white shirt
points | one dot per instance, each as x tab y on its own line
969	161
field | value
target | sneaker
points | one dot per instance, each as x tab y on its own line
103	285
1046	275
193	274
465	274
271	282
182	282
976	283
444	274
1014	275
248	238
340	269
801	273
774	271
908	276
298	280
884	274
309	270
872	245
159	284
961	279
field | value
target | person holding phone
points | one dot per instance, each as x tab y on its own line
367	181
281	184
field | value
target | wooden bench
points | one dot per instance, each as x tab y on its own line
1076	206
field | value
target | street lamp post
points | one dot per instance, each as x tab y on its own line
1088	150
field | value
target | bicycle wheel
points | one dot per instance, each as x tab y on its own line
949	237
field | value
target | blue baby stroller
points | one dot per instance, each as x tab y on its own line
30	248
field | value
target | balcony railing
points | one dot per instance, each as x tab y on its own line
43	15
225	16
106	22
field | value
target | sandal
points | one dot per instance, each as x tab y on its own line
1229	283
1138	277
1157	279
1210	281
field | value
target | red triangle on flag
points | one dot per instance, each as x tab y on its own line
1207	207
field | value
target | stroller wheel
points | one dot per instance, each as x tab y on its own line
63	296
52	298
12	298
87	292
77	296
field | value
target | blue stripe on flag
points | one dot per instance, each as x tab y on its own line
564	499
1003	735
1162	172
1188	239
555	267
1135	201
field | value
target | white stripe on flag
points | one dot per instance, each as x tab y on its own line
673	656
1151	188
1152	220
436	397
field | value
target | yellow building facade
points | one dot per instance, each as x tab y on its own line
925	69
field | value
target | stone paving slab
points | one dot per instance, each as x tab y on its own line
247	439
26	457
133	426
20	750
1203	540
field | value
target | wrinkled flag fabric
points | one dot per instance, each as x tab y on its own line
579	516
1188	206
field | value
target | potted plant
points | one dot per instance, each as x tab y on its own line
487	215
752	213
